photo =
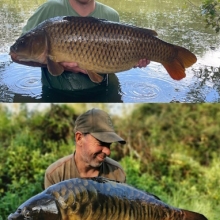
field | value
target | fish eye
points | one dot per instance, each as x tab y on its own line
27	214
21	41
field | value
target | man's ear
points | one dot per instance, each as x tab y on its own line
78	137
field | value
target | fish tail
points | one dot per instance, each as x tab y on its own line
189	215
184	59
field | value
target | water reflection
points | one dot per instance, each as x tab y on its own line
175	21
207	86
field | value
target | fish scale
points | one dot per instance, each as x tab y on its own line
123	50
98	46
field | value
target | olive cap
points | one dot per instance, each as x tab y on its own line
99	124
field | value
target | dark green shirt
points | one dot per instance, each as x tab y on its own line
67	81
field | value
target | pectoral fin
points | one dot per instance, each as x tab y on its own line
94	77
54	68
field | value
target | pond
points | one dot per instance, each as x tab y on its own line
177	22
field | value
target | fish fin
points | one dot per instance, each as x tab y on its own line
175	69
151	32
184	59
185	56
94	77
189	215
54	68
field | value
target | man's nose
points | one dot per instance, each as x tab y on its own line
106	151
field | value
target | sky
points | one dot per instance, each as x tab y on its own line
114	108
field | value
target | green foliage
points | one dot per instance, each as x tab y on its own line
29	144
197	191
58	123
182	128
211	11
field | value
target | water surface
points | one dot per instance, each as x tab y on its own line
175	21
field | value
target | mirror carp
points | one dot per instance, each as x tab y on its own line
98	198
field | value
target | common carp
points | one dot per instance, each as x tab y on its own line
98	199
98	46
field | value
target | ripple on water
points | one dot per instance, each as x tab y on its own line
155	85
28	82
139	90
23	80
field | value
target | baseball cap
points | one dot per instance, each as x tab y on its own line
99	124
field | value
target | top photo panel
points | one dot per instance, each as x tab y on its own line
142	51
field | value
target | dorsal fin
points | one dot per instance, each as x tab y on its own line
189	215
151	32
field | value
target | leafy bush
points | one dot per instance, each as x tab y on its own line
28	150
184	128
198	191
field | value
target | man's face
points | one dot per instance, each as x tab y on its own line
94	151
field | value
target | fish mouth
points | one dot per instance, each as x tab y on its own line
13	55
15	216
16	58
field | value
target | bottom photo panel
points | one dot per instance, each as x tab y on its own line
93	161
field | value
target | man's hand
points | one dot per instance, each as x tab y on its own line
142	63
73	67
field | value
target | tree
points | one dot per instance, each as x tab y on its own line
211	11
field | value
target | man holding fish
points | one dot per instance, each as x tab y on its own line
82	8
94	134
86	193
